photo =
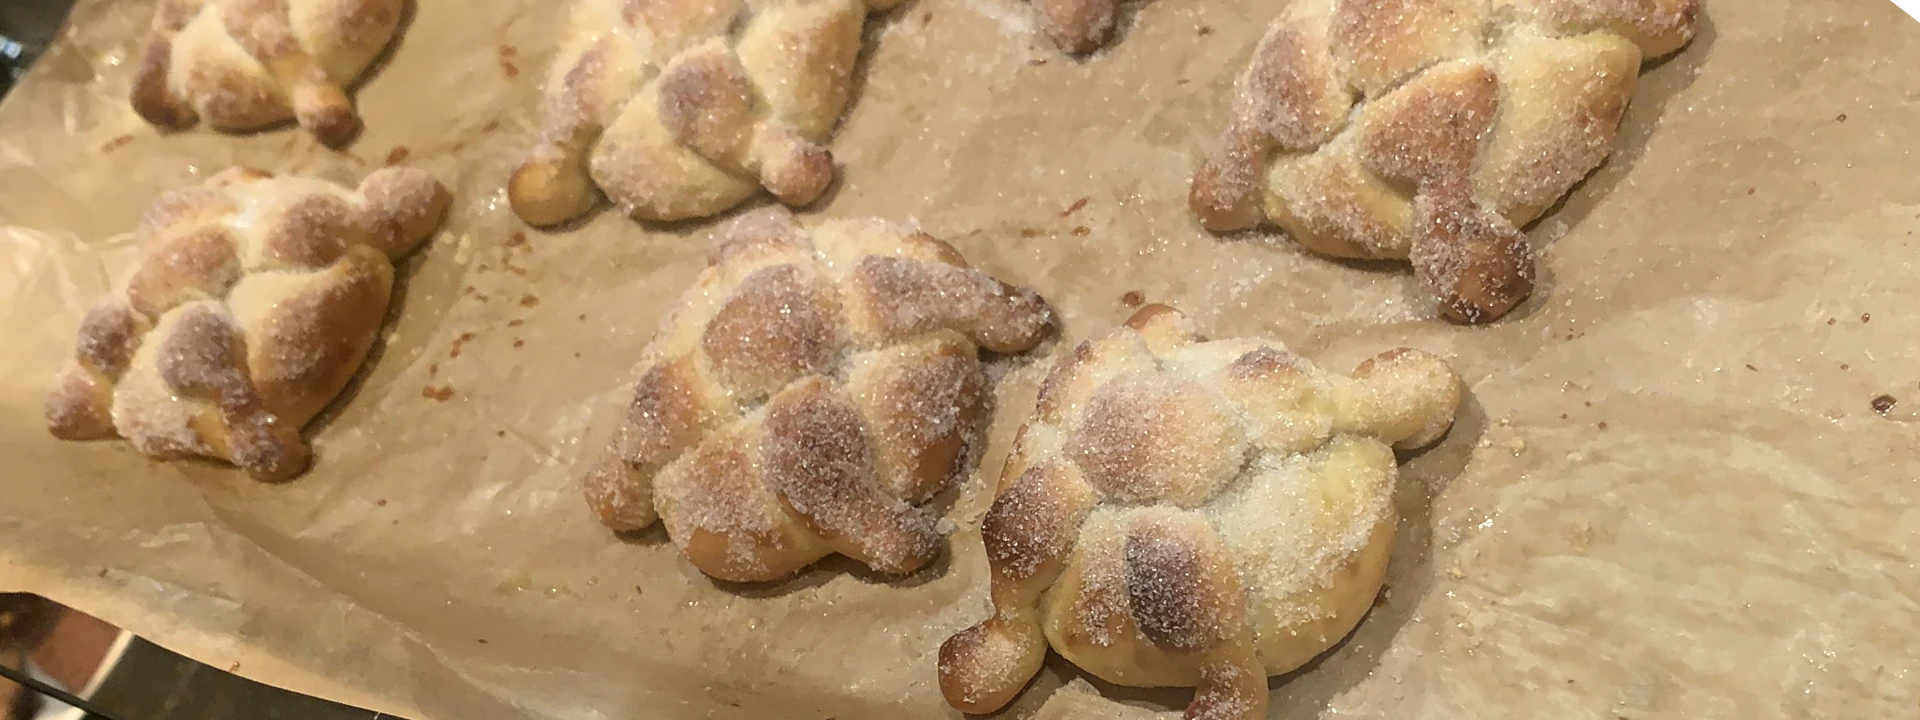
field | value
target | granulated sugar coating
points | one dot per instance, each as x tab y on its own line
923	395
1478	256
257	301
716	499
1122	447
1192	513
810	390
1478	117
818	459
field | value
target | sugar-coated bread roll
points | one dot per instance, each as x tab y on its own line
1431	130
681	109
256	302
807	394
1191	513
246	64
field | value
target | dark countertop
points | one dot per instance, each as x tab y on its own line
148	683
33	22
26	28
152	683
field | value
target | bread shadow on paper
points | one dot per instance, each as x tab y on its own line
688	228
1660	81
684	228
654	538
404	271
826	569
654	535
1308	691
409	10
870	33
831	566
601	206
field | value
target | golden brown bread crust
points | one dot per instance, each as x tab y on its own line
809	391
1192	513
245	64
681	109
255	304
1474	117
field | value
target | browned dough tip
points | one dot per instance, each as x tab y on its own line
1479	265
1223	195
798	171
550	192
77	409
152	99
333	125
1077	26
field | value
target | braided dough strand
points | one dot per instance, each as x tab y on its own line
1191	513
1474	117
806	395
681	109
256	303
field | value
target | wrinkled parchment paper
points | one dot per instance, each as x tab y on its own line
1669	494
